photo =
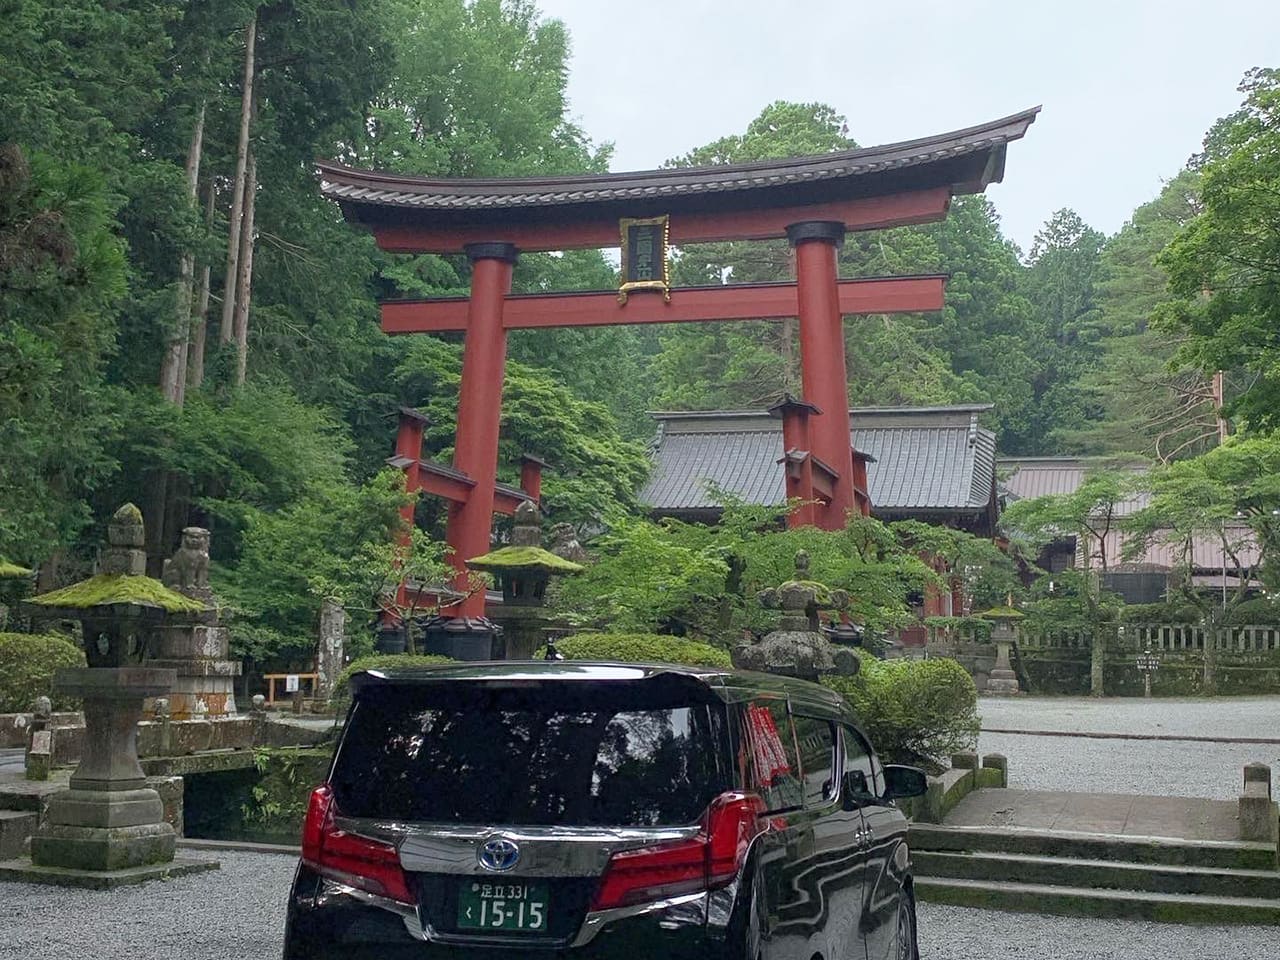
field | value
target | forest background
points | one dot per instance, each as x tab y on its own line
186	323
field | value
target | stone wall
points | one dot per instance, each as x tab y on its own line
1194	660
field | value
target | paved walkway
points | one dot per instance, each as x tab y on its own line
1179	818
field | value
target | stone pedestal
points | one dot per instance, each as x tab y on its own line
109	819
1003	682
204	676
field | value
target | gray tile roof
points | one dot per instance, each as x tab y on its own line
379	188
926	459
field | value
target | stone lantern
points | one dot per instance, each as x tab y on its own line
109	828
522	571
797	648
1003	682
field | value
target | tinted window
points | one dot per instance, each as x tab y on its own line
817	742
858	757
773	754
582	754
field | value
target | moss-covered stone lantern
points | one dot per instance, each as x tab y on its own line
109	827
797	647
523	569
1003	682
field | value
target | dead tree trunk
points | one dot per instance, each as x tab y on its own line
200	322
238	190
173	366
244	280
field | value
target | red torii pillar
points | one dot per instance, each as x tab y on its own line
822	363
484	357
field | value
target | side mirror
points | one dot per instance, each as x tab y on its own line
901	782
857	792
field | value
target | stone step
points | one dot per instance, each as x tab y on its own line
1104	874
1083	902
1231	854
16	827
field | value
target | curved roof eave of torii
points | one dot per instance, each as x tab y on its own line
868	188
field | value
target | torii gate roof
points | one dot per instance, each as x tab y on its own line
962	161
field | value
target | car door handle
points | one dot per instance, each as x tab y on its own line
862	837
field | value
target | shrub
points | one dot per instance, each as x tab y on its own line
641	648
28	662
1160	613
383	661
1259	610
915	711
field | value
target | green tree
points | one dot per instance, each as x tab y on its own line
1224	266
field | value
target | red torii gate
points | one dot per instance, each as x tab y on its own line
811	201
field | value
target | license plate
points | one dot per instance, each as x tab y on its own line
503	906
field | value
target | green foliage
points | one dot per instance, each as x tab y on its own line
382	661
641	578
28	662
641	648
1160	613
915	711
337	541
1092	513
1263	610
1224	266
278	800
1229	496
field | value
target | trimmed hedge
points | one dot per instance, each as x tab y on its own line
28	662
641	648
917	712
382	661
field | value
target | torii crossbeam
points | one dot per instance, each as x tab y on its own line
811	201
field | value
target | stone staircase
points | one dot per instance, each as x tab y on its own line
1075	873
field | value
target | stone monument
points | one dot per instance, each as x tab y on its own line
109	828
329	654
197	652
797	648
1003	682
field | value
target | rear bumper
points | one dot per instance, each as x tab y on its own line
327	921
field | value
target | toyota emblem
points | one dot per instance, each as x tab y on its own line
498	854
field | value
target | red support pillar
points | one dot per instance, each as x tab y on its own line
408	448
531	476
484	358
822	356
797	436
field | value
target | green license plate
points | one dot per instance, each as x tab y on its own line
503	906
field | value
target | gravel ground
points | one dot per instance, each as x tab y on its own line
238	914
959	933
1159	767
1225	717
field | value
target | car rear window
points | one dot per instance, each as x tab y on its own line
644	753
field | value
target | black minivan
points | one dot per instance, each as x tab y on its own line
591	810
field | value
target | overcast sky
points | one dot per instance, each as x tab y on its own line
1129	87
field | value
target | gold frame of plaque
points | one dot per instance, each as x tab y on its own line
659	265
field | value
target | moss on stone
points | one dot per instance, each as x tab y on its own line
111	588
525	558
12	571
1002	613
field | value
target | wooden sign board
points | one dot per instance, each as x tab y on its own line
644	255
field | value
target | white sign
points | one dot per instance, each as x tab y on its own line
291	683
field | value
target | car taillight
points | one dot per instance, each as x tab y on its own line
704	862
369	865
